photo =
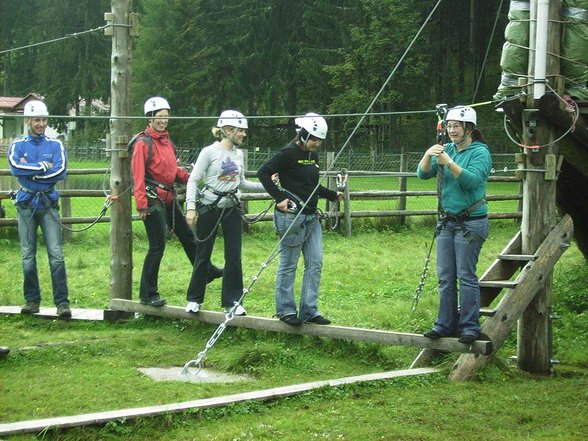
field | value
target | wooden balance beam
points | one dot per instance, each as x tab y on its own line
338	332
87	419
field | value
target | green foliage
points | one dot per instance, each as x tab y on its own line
266	58
368	281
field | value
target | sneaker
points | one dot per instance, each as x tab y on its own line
467	339
319	320
239	310
4	351
193	307
213	274
30	308
291	320
154	300
432	334
63	311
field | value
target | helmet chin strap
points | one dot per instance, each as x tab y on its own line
466	136
304	139
230	136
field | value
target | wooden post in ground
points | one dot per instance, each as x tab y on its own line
330	207
402	185
121	258
65	203
245	204
539	207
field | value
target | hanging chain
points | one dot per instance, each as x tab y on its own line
441	139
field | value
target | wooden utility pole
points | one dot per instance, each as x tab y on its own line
529	300
539	185
121	257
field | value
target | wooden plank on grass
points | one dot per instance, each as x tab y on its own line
51	313
331	331
260	395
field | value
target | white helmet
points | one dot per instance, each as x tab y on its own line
154	104
36	109
462	113
232	118
314	124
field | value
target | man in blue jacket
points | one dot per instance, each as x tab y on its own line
39	163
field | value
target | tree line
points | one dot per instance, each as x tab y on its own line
267	57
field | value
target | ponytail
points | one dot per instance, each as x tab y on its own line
216	132
475	132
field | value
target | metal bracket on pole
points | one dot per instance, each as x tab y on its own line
109	30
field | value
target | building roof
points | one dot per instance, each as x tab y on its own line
15	104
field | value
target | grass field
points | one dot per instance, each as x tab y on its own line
62	368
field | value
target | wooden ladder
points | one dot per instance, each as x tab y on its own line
519	293
498	276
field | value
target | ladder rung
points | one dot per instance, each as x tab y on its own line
488	312
518	257
498	283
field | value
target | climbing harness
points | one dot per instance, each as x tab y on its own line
229	316
443	219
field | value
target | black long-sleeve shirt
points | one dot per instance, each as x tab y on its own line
299	174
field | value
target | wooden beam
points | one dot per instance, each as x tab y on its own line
517	257
500	270
337	332
205	403
533	277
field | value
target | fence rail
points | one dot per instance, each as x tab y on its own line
345	214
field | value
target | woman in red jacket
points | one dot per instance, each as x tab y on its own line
155	172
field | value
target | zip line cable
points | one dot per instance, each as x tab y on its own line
487	50
215	117
66	37
230	315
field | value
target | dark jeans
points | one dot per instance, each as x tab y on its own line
29	221
156	226
206	228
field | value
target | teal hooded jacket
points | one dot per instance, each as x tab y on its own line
458	194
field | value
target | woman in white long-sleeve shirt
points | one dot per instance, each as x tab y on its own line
212	199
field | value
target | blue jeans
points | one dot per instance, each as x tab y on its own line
305	235
29	221
457	258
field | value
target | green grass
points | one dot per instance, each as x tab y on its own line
59	368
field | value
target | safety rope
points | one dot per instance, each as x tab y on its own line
576	115
229	315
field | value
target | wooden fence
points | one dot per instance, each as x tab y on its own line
343	216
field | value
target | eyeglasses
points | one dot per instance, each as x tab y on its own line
453	126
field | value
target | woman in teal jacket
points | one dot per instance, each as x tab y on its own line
463	223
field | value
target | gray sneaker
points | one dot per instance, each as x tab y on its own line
63	311
30	308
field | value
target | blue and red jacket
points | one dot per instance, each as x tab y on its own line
38	163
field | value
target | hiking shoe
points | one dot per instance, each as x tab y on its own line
432	334
213	274
63	311
193	307
239	310
154	300
291	320
30	308
319	320
467	339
